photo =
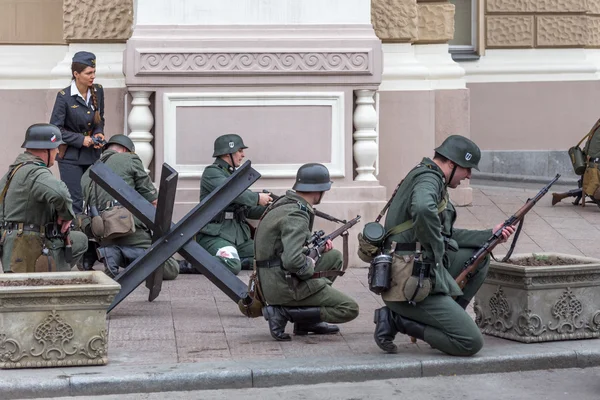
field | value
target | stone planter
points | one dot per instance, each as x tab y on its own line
58	325
538	304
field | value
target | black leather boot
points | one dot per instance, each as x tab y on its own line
278	318
308	320
187	268
89	257
388	324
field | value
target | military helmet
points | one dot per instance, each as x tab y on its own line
121	140
228	144
42	136
312	177
460	150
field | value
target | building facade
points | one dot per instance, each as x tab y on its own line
365	87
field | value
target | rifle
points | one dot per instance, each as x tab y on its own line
318	240
317	212
518	217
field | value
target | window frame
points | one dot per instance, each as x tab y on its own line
475	50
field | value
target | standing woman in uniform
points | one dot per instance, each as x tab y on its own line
79	113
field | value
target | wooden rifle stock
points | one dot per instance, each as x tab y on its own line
477	257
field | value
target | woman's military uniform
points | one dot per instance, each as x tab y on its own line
439	320
32	202
122	250
228	235
75	119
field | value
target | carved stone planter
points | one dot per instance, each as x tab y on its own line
55	325
538	304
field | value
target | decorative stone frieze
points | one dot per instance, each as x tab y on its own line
541	303
562	30
394	20
436	22
97	20
156	63
509	31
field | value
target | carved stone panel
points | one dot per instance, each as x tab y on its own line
436	22
537	304
509	31
394	20
97	20
562	30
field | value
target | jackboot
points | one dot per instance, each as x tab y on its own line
388	324
463	302
308	320
278	318
247	264
89	257
187	268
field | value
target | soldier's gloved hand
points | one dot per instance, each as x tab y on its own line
307	271
264	199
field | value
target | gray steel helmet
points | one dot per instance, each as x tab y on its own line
123	141
228	144
42	136
312	177
460	150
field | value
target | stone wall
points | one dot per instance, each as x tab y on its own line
542	23
97	20
413	21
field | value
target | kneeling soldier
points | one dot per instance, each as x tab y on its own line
286	272
228	235
119	155
37	210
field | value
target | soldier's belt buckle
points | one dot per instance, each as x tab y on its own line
229	215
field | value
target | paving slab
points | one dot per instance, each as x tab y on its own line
193	337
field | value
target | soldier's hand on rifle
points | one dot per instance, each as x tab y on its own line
328	246
264	199
64	225
506	232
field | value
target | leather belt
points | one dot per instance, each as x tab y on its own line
15	226
277	264
406	246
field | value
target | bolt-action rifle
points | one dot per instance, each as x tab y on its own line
477	257
318	213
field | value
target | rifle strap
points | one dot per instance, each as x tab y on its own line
327	274
345	250
514	242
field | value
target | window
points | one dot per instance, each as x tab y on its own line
464	46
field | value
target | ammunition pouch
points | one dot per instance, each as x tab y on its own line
25	252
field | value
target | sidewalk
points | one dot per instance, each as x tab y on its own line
194	337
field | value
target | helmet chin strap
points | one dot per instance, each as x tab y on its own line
232	163
451	174
48	159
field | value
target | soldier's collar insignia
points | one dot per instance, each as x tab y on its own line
74	106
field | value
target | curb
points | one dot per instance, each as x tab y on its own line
95	381
488	176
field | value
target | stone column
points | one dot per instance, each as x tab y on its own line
140	123
365	135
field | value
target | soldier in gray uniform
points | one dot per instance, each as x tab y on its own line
36	210
119	155
228	235
286	273
440	318
79	114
